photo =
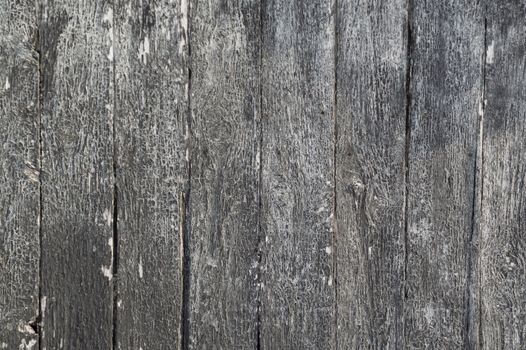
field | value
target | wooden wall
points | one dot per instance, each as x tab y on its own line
262	174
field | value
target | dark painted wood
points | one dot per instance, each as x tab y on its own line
297	288
370	173
151	94
77	175
224	194
503	220
447	45
19	175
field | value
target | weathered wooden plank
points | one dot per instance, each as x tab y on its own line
151	117
19	175
224	199
370	172
503	220
446	89
297	292
77	175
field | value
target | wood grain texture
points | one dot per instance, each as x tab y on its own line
224	195
19	175
446	90
503	219
151	82
370	173
77	175
298	290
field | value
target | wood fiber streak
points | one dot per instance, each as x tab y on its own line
503	219
224	195
447	43
77	176
19	175
297	288
151	82
370	174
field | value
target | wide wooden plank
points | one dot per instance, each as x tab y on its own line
503	220
297	283
447	45
77	175
19	175
370	172
224	195
151	111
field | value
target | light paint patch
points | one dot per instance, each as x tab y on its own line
110	244
110	54
43	303
330	281
106	271
32	173
181	45
144	49
490	53
119	303
108	16
107	217
141	271
27	345
328	250
3	346
184	14
429	313
26	329
7	85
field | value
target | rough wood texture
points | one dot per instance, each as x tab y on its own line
262	174
19	175
447	45
370	173
151	97
77	176
224	196
297	288
503	221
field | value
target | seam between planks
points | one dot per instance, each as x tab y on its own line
184	200
334	165
262	4
481	139
40	316
115	232
470	339
409	48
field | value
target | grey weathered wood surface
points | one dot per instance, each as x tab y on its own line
370	173
502	233
262	174
77	175
19	175
151	94
446	49
224	189
297	286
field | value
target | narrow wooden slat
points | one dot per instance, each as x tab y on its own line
19	175
223	236
446	90
151	115
298	290
77	176
503	220
370	175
